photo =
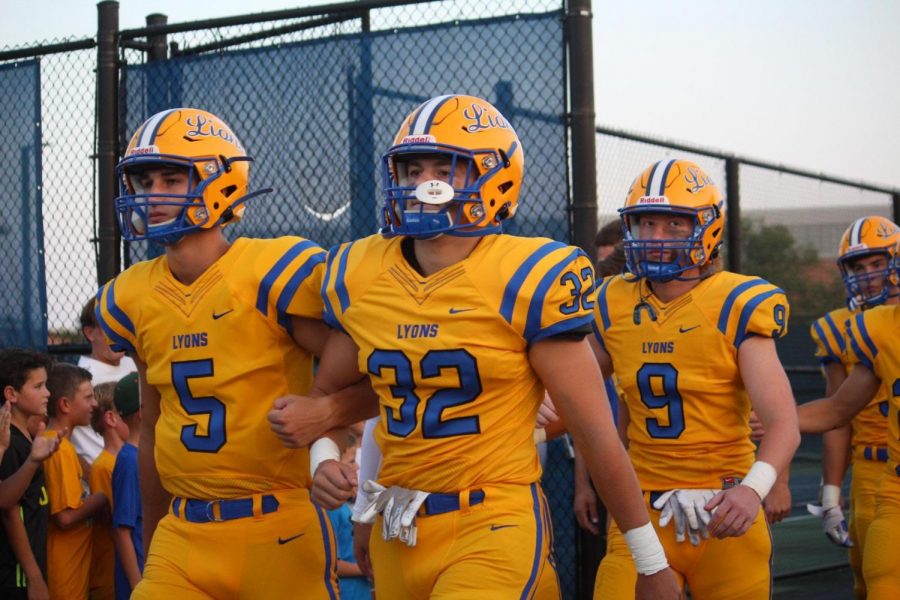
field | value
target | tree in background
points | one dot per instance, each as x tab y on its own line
770	251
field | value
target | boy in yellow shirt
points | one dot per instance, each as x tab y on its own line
69	538
106	422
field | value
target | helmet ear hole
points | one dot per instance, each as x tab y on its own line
503	157
229	190
505	186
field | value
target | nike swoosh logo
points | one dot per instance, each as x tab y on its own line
456	311
220	315
286	540
683	330
496	527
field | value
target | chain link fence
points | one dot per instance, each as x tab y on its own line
48	203
336	88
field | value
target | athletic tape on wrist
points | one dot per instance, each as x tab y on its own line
648	554
322	449
760	478
831	495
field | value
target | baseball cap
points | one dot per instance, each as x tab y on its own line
126	396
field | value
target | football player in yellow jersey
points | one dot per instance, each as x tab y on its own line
218	330
460	329
865	259
693	349
874	349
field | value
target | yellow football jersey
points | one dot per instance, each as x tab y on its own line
874	343
448	353
677	363
220	352
829	333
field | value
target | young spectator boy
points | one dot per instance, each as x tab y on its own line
24	517
69	540
127	520
353	583
106	422
105	365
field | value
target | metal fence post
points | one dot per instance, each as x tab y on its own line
583	218
895	202
581	87
362	139
733	213
107	139
158	49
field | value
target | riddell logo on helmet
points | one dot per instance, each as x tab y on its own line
141	150
653	200
418	139
857	247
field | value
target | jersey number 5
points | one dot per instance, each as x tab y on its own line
202	405
658	384
431	365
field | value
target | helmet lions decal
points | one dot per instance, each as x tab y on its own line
678	187
473	138
866	237
218	168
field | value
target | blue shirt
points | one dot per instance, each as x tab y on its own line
126	491
352	588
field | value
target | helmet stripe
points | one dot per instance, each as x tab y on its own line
856	232
422	123
657	184
151	127
665	178
647	191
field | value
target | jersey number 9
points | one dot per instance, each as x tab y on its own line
663	395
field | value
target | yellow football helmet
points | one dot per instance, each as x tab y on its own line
869	236
471	137
218	172
677	187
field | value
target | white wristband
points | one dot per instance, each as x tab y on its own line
540	436
831	495
322	449
760	478
648	554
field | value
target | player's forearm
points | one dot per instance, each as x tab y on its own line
821	415
838	409
835	455
14	487
127	555
617	484
608	463
779	443
352	404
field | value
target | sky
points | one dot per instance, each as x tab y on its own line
811	84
